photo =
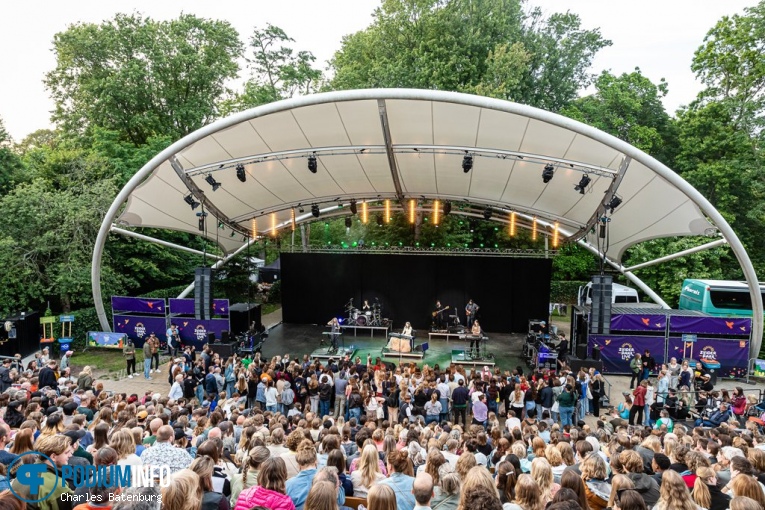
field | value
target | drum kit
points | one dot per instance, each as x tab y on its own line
361	317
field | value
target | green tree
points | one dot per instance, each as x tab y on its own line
10	163
142	78
277	71
487	47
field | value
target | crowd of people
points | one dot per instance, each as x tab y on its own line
292	434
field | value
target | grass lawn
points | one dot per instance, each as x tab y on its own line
105	362
266	308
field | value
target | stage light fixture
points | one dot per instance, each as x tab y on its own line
221	225
212	182
534	229
467	162
189	199
254	228
364	213
487	213
315	211
411	210
380	220
273	224
301	209
615	202
348	222
548	173
447	208
240	173
387	211
292	218
201	220
353	207
512	224
583	182
313	165
436	205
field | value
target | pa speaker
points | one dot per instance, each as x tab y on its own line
203	298
600	313
224	336
210	337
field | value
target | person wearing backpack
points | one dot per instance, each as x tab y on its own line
288	398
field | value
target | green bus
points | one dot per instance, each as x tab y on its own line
720	298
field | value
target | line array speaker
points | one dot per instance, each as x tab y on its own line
600	314
203	297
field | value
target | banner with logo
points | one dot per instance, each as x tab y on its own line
147	306
139	328
194	332
617	351
731	326
733	355
106	339
629	322
186	306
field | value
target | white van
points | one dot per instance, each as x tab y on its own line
620	294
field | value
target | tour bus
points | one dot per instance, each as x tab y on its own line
620	294
722	298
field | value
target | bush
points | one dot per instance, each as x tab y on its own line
275	292
565	291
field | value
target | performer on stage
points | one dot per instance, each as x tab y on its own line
470	311
475	337
438	315
366	305
335	325
406	331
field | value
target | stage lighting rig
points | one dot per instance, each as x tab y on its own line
467	162
615	202
315	211
189	199
212	182
313	165
548	173
583	183
348	222
240	173
447	208
353	207
487	213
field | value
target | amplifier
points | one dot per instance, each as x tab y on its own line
577	364
223	350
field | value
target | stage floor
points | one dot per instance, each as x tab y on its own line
300	339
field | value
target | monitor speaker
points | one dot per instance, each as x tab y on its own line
581	351
211	338
600	312
224	336
203	298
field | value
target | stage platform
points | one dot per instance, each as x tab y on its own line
391	354
323	353
298	340
444	334
371	329
460	358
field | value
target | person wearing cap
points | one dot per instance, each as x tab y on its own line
58	449
76	435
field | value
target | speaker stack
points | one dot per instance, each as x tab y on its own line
600	312
203	298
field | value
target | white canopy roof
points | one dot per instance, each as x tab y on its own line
402	144
426	134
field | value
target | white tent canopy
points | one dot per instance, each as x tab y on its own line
400	144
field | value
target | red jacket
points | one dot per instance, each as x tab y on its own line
258	496
739	405
639	396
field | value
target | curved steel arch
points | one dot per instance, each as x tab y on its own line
447	97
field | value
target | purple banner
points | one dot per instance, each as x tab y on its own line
139	328
138	305
628	322
733	355
617	351
711	325
186	306
194	332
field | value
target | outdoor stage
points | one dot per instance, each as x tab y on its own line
300	339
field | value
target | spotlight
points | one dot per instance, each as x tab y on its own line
201	220
447	208
487	213
240	173
313	166
353	207
348	222
315	211
212	182
380	220
467	163
583	182
614	203
548	173
189	199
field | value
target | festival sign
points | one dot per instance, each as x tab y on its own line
139	305
196	333
732	355
630	322
617	351
729	326
139	328
186	306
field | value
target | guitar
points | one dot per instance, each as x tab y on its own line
469	313
439	311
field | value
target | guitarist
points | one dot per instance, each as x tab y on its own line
470	311
438	316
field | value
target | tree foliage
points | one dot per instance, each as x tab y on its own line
489	47
142	78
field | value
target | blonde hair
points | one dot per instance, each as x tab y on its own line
674	494
527	494
542	473
553	456
619	482
204	466
306	454
745	485
478	476
701	494
464	464
123	443
368	465
52	445
744	503
322	496
381	497
184	491
594	467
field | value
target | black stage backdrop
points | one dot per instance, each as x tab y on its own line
509	291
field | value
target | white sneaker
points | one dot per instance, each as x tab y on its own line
130	377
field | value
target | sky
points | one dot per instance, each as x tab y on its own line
659	36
